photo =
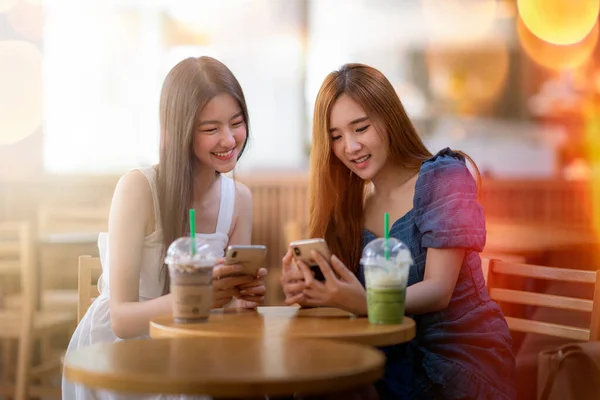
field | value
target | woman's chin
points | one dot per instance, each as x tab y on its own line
225	169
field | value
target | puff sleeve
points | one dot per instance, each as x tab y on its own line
447	212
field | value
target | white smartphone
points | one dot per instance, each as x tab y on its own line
252	258
301	250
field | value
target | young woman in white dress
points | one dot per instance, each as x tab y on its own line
204	131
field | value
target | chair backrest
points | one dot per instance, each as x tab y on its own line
90	268
486	257
17	260
497	267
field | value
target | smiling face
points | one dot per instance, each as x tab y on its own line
220	133
355	140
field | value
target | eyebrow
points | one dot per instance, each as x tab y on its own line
239	114
353	122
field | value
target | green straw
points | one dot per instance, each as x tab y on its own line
386	234
193	229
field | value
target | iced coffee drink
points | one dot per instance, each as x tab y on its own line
190	273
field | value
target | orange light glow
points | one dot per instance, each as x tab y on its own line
561	22
554	56
591	114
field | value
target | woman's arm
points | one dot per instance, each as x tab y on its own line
131	213
452	222
435	291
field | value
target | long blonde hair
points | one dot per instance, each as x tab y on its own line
188	87
336	195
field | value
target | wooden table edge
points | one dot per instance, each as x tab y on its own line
158	331
223	388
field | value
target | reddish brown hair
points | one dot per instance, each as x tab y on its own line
336	194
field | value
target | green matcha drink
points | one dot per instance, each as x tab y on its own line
386	263
385	305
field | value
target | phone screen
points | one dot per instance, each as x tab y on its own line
318	273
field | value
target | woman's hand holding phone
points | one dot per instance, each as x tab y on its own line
225	282
248	290
253	294
292	280
340	289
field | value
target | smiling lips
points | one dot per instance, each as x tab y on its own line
362	161
226	155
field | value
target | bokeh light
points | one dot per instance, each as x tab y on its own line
21	94
553	56
459	21
472	77
561	22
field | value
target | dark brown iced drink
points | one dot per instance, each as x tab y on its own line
191	288
191	262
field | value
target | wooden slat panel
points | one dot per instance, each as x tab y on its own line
546	328
539	299
554	201
548	273
277	200
10	249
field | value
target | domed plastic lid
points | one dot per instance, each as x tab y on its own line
389	251
181	251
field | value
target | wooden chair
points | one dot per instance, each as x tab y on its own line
90	269
567	311
63	233
73	227
592	332
27	324
486	257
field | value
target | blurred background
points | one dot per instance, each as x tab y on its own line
513	83
81	79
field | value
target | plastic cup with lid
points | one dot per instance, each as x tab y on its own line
386	264
191	262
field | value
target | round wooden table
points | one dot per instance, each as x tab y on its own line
225	367
290	322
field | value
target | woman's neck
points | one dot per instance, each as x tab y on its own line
204	178
390	178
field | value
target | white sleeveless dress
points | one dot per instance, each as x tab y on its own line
95	326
